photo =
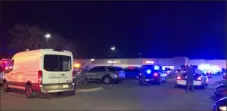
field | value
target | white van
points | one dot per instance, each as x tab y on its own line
40	71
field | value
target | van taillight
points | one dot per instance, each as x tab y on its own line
40	74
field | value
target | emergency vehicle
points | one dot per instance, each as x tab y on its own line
40	71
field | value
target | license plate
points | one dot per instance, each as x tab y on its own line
147	80
65	86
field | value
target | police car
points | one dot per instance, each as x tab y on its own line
152	74
200	80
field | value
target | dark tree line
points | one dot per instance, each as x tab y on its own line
25	36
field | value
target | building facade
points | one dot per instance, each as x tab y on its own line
175	62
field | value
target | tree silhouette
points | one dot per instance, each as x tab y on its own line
25	36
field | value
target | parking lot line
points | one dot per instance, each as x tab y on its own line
90	89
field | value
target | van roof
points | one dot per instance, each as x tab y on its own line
36	52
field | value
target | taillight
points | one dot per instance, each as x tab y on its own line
155	74
40	75
178	78
199	79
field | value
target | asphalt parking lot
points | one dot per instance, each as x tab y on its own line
125	96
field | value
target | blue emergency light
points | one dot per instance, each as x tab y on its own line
148	71
156	67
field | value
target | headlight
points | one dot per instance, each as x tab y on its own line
222	108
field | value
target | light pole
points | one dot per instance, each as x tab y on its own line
113	48
92	60
47	36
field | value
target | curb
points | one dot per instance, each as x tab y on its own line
90	89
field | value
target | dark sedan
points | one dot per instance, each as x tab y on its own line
220	105
220	92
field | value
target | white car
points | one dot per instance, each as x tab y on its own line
40	71
201	80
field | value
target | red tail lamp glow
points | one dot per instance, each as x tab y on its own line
178	78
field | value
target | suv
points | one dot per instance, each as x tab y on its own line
106	74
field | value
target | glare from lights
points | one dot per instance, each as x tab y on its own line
215	68
163	68
156	67
223	108
47	35
113	48
204	67
92	59
148	71
77	65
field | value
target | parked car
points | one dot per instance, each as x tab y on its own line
220	92
131	72
105	74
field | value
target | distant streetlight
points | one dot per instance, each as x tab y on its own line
113	48
92	60
47	36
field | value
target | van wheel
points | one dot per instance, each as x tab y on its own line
5	86
29	92
107	80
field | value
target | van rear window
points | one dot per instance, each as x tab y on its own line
57	63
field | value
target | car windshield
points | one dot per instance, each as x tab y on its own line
57	63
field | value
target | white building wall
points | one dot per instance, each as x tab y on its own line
176	62
220	63
196	61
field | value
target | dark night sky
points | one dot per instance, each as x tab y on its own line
156	29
